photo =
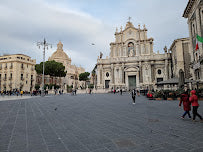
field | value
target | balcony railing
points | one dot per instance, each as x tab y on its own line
5	68
11	67
10	78
22	68
32	69
32	79
22	79
4	79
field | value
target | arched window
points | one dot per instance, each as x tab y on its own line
159	71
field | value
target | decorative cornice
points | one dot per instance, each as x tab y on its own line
188	8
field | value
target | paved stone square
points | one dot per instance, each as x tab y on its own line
97	123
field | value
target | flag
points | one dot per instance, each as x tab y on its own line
198	39
197	46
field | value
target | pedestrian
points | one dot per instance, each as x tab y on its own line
194	100
133	93
21	93
114	91
184	98
121	91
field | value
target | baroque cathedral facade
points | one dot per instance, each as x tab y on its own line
132	62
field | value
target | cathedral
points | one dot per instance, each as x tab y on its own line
132	62
72	76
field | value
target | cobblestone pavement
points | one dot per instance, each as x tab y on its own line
97	123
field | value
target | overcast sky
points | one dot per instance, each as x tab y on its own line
78	23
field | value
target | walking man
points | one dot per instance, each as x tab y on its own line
133	95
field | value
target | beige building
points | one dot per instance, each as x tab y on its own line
132	62
194	13
72	76
181	57
17	72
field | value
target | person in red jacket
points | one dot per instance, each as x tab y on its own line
184	98
194	100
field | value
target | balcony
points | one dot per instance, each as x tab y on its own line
0	68
4	79
5	68
22	68
32	69
21	84
22	79
32	79
11	67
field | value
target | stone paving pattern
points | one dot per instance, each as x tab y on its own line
97	123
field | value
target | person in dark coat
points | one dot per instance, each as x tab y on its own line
194	100
184	98
133	93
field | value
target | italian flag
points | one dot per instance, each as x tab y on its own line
199	39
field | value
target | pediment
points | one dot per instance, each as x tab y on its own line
131	69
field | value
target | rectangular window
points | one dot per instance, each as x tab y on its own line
21	77
159	79
11	75
22	65
5	76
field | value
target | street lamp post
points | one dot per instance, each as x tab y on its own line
45	46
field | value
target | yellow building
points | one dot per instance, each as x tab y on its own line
17	72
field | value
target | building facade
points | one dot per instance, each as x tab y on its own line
194	13
72	76
132	62
181	57
17	72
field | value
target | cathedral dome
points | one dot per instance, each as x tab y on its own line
59	54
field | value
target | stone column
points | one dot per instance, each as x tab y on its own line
166	69
140	72
152	71
112	74
199	27
98	76
122	73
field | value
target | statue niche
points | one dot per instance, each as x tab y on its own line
131	49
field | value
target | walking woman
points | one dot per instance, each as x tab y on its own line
194	100
184	98
133	95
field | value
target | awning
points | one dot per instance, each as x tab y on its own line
173	81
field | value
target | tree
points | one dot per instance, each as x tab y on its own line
52	68
84	76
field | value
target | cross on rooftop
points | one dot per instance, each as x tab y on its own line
129	18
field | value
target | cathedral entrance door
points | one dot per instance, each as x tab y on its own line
107	83
132	82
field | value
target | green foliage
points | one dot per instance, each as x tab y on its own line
52	68
84	76
37	86
69	88
158	94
